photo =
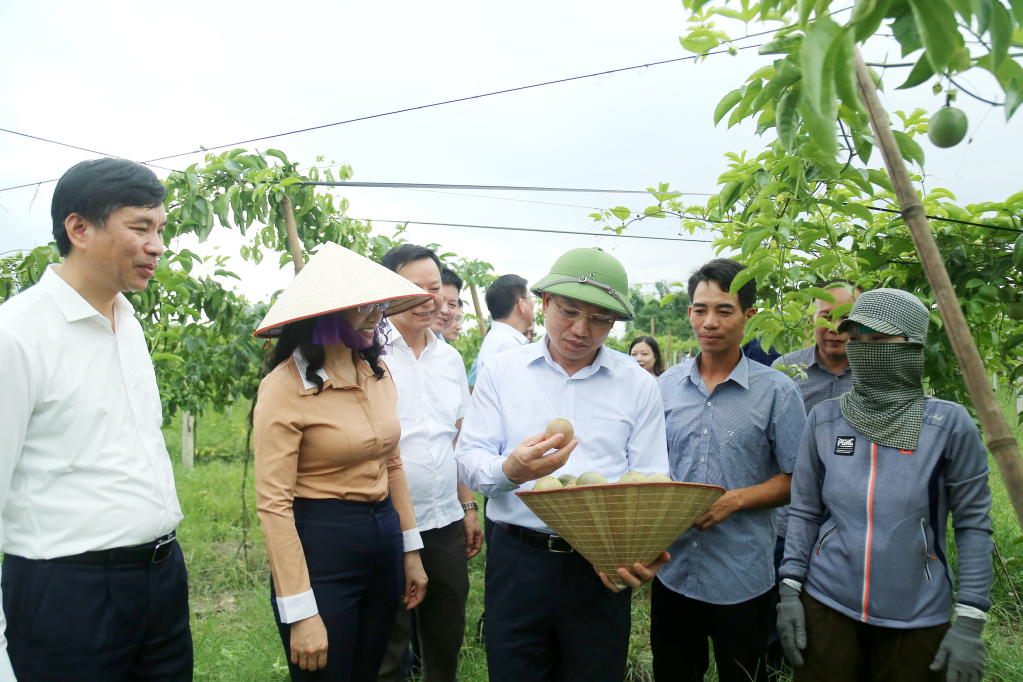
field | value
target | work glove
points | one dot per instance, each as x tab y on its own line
791	624
962	650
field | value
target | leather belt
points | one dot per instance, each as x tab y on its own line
534	538
149	553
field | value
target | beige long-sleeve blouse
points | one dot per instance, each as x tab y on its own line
340	444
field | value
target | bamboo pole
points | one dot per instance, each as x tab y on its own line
294	245
1000	440
479	311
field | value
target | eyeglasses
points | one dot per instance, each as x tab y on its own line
370	307
573	315
458	318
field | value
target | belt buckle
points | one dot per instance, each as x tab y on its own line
169	538
550	546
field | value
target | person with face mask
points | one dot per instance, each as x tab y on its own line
866	590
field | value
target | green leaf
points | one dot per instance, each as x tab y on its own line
858	211
1010	77
805	7
725	105
921	73
788	117
740	280
838	311
845	73
225	273
867	17
820	294
699	44
939	30
782	45
1017	252
818	104
1017	9
621	212
1013	341
729	194
653	212
880	179
905	31
170	357
290	181
1001	33
278	154
911	151
788	75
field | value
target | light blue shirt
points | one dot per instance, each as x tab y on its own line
614	405
744	433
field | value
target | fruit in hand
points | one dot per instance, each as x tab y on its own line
947	128
562	426
547	483
658	478
591	478
566	479
632	477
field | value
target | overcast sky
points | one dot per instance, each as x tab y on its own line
144	80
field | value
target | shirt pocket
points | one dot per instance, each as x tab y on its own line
604	440
743	455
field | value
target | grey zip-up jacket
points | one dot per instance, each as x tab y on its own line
867	531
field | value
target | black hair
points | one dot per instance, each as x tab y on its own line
460	303
403	254
503	293
95	189
655	347
450	277
300	335
722	271
838	280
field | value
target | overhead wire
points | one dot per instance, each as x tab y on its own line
533	229
947	220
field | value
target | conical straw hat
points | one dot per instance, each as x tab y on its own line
334	279
619	524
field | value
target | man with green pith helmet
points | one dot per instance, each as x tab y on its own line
550	615
867	590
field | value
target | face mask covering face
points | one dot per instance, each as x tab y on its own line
886	403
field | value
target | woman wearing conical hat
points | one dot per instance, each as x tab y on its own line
333	501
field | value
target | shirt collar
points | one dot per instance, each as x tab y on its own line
328	379
604	360
508	330
823	368
71	303
399	340
740	374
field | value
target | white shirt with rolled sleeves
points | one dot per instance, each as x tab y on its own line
614	405
432	396
83	463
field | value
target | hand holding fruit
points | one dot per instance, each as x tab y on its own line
638	575
529	462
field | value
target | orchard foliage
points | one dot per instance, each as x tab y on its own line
810	208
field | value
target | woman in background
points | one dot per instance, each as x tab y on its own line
647	352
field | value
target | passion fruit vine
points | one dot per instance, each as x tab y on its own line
947	128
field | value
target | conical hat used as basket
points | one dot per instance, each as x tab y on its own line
619	524
334	279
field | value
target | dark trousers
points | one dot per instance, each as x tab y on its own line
841	649
356	566
549	618
775	654
440	619
680	627
70	621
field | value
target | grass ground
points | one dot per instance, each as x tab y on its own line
232	624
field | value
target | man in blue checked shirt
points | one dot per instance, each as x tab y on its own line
550	615
737	424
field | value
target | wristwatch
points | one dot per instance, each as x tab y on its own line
466	506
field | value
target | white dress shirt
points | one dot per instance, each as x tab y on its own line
500	338
83	463
432	396
614	405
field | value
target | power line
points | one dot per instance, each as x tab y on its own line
533	229
947	220
509	188
409	109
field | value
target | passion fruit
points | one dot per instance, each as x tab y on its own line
632	477
547	483
562	426
566	479
947	128
658	478
591	478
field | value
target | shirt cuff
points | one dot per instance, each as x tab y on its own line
500	481
412	539
297	607
964	611
794	584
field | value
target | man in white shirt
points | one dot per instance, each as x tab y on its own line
511	308
550	615
455	328
94	583
451	287
432	398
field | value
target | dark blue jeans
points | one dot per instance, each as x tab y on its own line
356	564
69	621
549	618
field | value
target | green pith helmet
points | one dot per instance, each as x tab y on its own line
591	276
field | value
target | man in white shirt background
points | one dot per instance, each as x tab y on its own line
455	328
451	287
511	308
550	616
432	399
94	583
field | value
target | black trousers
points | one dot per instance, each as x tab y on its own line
549	618
69	621
440	619
680	627
356	564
